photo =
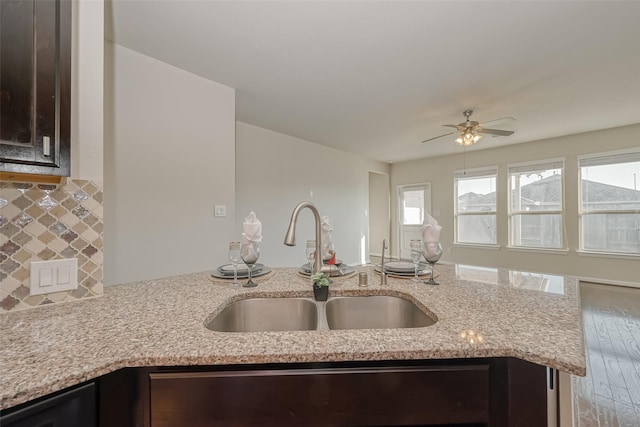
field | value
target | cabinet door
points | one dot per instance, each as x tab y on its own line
75	408
426	395
35	60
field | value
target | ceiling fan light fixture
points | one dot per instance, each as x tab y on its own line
468	138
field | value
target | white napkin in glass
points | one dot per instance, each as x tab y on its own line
325	239
430	229
252	229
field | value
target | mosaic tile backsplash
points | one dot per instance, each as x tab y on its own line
43	222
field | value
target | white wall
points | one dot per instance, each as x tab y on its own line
439	171
87	65
275	172
169	157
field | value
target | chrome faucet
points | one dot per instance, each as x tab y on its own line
383	275
290	237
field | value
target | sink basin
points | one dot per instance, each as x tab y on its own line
305	314
374	312
266	314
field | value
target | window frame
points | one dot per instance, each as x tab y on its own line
596	159
534	166
483	172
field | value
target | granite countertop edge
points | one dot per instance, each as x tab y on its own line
161	323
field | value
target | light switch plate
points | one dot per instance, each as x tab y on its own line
53	276
220	210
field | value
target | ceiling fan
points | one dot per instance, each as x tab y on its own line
469	132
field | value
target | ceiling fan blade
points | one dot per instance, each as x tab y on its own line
436	137
461	127
496	132
499	122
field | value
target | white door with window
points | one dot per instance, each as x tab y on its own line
413	201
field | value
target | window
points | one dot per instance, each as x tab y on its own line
536	205
475	206
610	203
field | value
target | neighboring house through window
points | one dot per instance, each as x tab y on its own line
475	206
610	203
536	205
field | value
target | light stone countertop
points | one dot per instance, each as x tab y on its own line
480	313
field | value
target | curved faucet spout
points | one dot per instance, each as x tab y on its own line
290	237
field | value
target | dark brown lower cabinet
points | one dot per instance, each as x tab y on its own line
473	392
322	397
72	408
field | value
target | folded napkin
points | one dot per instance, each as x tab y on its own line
325	239
252	229
252	233
430	229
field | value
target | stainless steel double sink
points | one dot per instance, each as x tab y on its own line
305	314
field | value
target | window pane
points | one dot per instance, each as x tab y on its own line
611	232
610	186
412	207
476	194
536	191
537	231
479	229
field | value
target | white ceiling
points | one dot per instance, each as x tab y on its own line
376	78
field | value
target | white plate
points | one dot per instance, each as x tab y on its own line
241	275
422	269
400	266
227	269
305	266
343	270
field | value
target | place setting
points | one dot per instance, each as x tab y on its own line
244	269
336	267
404	270
429	249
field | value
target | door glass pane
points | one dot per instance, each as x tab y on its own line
412	207
16	71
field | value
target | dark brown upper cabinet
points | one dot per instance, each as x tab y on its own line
35	86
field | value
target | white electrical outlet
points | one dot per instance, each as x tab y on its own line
53	276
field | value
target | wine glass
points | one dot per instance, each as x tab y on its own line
311	254
432	252
235	258
416	254
249	252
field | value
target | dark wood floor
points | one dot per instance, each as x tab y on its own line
610	393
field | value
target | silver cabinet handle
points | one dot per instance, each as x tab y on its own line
46	146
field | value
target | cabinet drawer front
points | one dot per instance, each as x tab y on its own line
322	397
